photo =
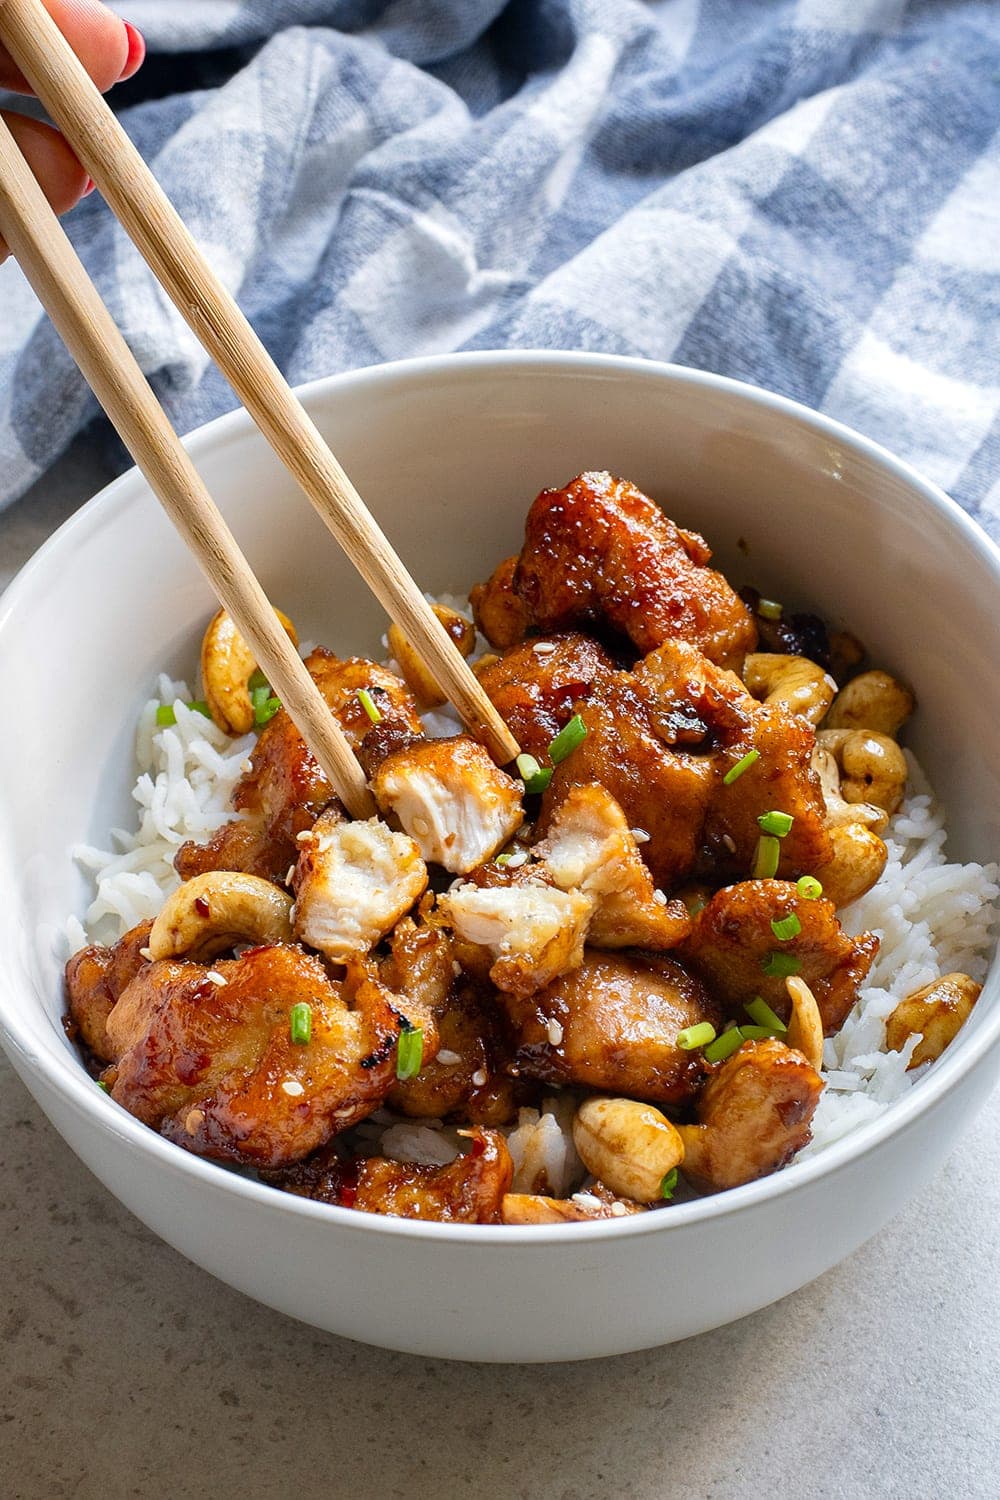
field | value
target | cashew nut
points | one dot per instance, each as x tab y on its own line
937	1011
799	685
420	681
805	1028
873	700
227	664
212	912
872	766
630	1147
859	856
838	810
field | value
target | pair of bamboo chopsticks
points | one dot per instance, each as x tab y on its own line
61	284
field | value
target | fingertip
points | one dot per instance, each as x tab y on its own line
136	51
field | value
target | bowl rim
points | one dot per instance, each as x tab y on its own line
78	1091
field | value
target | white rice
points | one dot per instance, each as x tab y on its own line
932	916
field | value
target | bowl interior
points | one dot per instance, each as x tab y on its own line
449	454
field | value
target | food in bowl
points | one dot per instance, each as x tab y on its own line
655	961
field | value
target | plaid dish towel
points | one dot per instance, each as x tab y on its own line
800	193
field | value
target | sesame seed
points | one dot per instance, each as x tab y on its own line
660	897
640	835
456	968
479	1078
195	1118
586	1200
421	827
289	873
729	843
304	836
246	766
448	1059
216	977
146	953
520	857
618	1210
554	1032
544	648
292	1087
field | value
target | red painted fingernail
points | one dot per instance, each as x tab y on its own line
91	184
136	51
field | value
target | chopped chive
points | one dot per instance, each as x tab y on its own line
368	704
199	706
724	1046
786	928
300	1023
755	1033
264	712
410	1051
502	859
760	1012
165	715
668	1184
765	860
776	823
570	735
535	777
809	887
102	1086
257	680
735	772
769	609
696	1036
781	965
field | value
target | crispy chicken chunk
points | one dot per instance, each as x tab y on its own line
95	977
754	1113
595	1203
469	1190
532	931
536	687
213	1066
612	1025
451	799
590	847
285	790
732	941
353	883
599	551
501	616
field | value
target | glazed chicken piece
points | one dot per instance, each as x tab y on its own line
284	791
589	847
663	792
498	612
463	1071
536	687
601	552
754	1114
95	977
469	1190
612	1025
781	778
595	1203
451	799
353	883
531	931
207	1057
733	944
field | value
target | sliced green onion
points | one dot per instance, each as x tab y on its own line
535	777
765	860
809	887
570	735
410	1051
786	928
368	704
257	680
724	1046
165	715
300	1023
755	1033
199	706
668	1184
776	823
102	1086
781	965
759	1011
769	609
735	772
502	859
266	712
696	1036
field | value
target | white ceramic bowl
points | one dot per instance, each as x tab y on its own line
449	453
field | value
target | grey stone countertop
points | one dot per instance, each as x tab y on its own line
126	1371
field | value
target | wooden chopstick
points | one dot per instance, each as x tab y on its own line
51	265
148	217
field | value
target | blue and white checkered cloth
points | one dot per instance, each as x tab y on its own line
800	193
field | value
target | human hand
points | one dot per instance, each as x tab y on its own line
111	50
